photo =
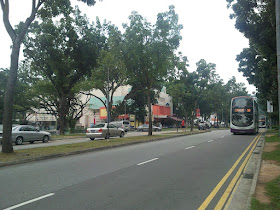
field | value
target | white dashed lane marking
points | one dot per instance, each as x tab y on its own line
139	164
30	201
190	147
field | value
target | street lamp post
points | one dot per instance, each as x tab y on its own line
277	13
108	110
125	109
177	118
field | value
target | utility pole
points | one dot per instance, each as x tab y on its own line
108	97
277	13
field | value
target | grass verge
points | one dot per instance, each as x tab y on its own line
272	187
274	155
65	136
273	191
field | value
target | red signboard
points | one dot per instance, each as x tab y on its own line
197	113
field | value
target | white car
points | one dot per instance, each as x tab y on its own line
102	130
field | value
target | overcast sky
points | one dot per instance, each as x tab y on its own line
208	31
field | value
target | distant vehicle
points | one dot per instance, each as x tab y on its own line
28	133
262	121
244	117
203	126
124	124
145	127
102	131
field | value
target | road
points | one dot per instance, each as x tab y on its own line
178	173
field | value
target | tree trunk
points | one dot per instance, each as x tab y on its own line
150	133
186	122
61	114
192	119
7	146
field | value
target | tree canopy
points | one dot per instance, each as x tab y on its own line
149	50
256	20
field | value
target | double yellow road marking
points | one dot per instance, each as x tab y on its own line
232	184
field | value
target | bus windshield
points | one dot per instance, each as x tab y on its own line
242	119
242	112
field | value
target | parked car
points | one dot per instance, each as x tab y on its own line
145	127
202	126
101	131
124	124
28	133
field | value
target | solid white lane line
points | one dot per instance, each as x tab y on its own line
190	147
210	140
30	201
139	164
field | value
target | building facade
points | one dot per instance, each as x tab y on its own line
96	111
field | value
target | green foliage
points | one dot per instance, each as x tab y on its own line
256	20
23	98
63	52
202	89
110	72
149	51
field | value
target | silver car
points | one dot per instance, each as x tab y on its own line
27	133
101	131
145	127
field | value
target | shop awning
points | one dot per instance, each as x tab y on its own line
176	118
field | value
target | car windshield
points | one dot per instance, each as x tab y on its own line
99	125
15	128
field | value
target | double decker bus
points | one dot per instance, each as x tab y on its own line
244	116
262	121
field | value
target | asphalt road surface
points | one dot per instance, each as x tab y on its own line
178	173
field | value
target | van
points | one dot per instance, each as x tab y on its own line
124	124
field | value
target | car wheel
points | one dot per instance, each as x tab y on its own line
19	140
31	142
107	136
122	134
45	139
92	139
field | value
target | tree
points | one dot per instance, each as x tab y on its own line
64	52
17	36
23	99
149	50
110	72
256	20
196	89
